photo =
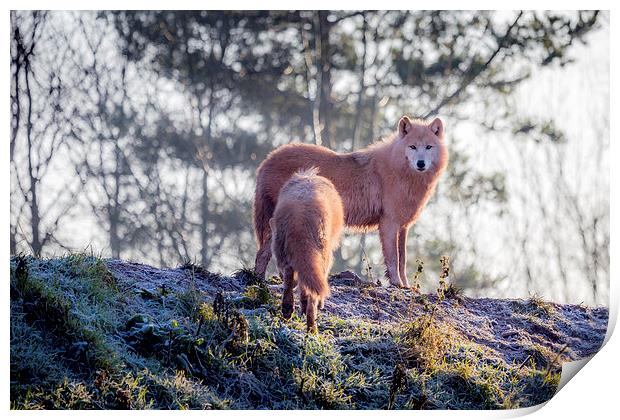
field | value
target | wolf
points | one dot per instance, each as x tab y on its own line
305	228
384	186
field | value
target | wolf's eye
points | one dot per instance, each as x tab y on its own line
429	147
413	147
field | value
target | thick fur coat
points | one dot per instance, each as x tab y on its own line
384	186
305	229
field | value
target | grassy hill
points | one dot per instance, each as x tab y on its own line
93	333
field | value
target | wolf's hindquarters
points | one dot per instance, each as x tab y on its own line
305	267
305	229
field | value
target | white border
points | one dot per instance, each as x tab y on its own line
592	395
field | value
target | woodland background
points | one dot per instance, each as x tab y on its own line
137	134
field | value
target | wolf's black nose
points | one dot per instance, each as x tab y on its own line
420	164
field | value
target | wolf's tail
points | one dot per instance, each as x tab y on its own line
312	275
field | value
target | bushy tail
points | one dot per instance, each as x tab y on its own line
312	275
262	212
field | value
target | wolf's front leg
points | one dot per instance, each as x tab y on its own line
402	255
388	232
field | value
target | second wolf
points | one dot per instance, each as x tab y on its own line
306	228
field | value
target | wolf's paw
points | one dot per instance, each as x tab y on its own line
287	311
395	283
404	283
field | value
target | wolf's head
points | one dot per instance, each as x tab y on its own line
422	144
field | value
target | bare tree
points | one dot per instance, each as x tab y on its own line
37	134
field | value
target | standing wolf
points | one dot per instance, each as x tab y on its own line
305	229
385	185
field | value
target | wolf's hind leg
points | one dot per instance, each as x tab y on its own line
311	313
288	297
303	300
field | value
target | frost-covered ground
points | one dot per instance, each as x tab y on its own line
92	333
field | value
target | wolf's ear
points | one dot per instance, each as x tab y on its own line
437	127
404	126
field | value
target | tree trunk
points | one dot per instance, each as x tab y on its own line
204	213
204	204
371	134
13	242
115	245
360	96
324	81
35	218
15	120
15	102
113	214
